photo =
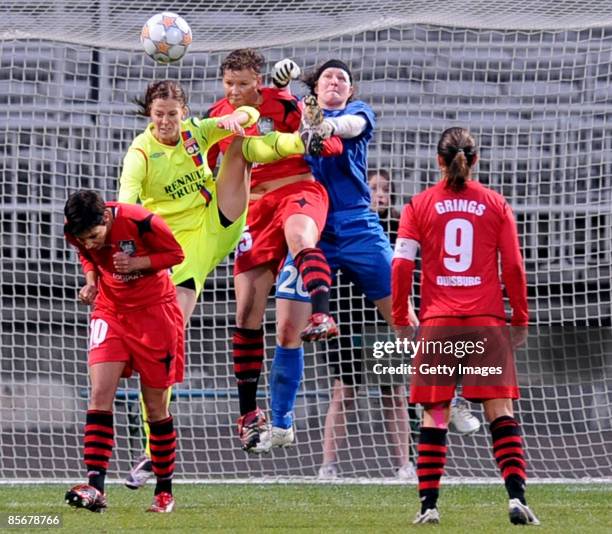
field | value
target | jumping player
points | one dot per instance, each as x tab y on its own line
166	167
352	240
287	211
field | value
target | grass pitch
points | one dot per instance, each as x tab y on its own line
317	508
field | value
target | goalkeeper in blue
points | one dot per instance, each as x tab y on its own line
353	241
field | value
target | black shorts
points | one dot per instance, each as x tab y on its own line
344	357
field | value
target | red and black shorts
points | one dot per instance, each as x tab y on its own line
263	240
149	340
478	349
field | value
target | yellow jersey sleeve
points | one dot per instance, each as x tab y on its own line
132	175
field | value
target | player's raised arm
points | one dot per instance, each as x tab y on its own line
283	72
214	129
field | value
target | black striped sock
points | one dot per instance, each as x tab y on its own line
163	453
99	442
248	351
431	460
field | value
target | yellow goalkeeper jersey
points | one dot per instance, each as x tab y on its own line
175	182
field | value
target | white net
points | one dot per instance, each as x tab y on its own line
532	81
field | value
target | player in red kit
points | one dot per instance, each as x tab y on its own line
463	230
287	211
136	324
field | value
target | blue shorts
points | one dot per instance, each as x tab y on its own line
289	283
354	242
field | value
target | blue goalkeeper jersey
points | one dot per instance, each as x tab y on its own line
345	176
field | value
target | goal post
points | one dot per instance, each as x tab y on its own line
531	80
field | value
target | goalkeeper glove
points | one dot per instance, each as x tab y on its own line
284	71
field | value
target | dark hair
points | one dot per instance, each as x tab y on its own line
311	78
83	210
458	149
385	174
163	89
243	58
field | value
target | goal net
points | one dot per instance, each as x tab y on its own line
532	80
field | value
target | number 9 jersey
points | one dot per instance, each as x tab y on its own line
460	235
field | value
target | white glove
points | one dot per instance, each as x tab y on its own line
284	71
327	129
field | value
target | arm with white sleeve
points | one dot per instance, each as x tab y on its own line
346	126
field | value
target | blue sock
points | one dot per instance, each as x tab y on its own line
285	378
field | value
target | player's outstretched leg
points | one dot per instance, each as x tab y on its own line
313	130
233	182
272	147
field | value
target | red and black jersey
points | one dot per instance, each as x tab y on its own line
462	237
279	111
137	232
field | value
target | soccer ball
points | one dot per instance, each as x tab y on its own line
166	37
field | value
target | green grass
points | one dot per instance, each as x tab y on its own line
319	508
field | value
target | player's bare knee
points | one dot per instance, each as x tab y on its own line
101	399
288	334
158	413
156	410
297	241
247	316
495	408
436	415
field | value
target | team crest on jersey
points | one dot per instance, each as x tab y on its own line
128	247
265	125
192	148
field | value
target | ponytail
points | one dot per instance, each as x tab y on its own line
458	149
458	172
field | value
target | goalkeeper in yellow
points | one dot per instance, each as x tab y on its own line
166	169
